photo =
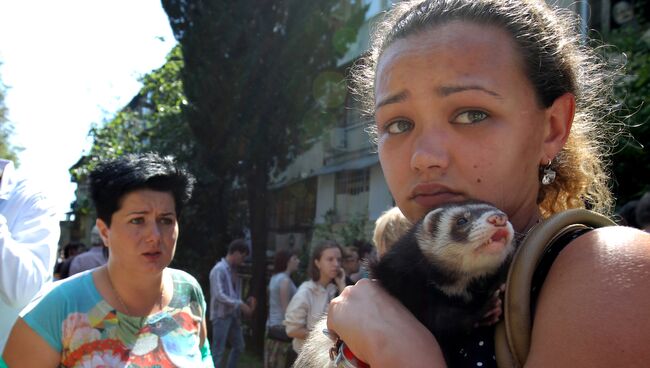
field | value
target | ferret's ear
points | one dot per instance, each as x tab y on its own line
557	126
431	217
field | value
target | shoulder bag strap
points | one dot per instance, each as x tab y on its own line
512	334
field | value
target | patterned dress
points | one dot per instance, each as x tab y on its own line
77	322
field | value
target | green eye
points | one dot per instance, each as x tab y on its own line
398	126
470	117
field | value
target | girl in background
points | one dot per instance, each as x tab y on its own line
277	348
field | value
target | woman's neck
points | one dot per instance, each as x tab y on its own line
137	296
525	218
324	281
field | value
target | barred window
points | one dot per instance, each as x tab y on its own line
352	182
352	193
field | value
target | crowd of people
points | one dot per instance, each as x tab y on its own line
120	303
492	100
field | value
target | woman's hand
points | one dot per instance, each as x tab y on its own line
380	330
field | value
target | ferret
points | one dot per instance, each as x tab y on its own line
447	270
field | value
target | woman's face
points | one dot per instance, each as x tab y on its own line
329	263
293	263
458	119
143	232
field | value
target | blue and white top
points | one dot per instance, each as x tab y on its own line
76	321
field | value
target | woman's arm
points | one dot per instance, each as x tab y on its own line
284	294
298	333
295	317
592	309
25	348
380	330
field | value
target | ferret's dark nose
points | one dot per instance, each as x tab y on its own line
498	219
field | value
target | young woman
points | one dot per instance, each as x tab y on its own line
134	311
311	300
498	100
277	346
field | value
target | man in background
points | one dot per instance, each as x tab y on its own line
351	263
70	252
94	257
29	233
226	305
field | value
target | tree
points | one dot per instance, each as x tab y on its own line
355	229
260	77
633	91
153	121
7	150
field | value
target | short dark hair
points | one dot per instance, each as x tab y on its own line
364	248
111	180
71	247
349	251
316	253
281	260
238	245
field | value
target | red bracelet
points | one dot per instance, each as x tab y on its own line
347	359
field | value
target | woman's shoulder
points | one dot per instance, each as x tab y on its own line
180	276
307	287
607	252
592	306
55	293
279	277
184	281
307	284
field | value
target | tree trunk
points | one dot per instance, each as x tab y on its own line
257	183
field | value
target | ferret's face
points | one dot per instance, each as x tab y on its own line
472	238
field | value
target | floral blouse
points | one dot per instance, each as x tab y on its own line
77	322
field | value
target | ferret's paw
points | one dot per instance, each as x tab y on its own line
494	310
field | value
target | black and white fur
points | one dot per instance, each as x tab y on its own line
446	270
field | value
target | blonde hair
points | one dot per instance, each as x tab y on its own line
389	227
555	61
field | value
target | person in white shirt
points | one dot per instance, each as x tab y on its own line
310	302
29	233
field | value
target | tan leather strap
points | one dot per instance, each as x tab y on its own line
512	334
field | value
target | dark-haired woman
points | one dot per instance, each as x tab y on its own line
277	349
135	311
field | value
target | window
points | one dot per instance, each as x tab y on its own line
351	193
